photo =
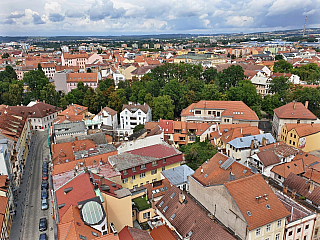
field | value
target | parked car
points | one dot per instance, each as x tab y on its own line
44	204
44	170
42	224
45	176
43	236
45	164
44	194
44	184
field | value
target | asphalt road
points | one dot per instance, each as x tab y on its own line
32	208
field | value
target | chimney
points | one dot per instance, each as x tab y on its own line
285	189
201	170
294	104
252	144
241	130
182	197
306	104
311	187
76	138
294	192
264	141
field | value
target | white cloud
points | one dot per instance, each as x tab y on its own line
283	6
239	21
52	7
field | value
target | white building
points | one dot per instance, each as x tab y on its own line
117	77
107	117
134	114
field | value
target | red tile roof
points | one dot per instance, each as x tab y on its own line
129	233
73	109
211	172
163	233
244	192
189	217
84	77
82	189
295	111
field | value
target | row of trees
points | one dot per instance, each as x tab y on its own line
167	90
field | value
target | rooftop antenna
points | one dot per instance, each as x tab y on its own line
304	29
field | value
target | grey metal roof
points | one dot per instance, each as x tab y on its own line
127	160
227	163
245	142
69	128
178	175
100	149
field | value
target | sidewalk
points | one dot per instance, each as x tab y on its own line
17	222
51	221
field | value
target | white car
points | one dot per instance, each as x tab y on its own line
44	204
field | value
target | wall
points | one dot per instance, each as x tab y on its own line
149	177
271	235
60	81
219	202
305	225
118	210
140	143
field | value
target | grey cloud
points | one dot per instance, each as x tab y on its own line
73	14
9	21
98	12
56	17
37	19
16	15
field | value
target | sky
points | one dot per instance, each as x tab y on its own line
135	17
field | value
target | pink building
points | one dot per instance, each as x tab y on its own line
89	79
79	59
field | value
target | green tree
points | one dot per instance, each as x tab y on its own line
210	92
91	101
15	94
5	55
230	77
271	102
279	85
198	152
36	80
278	57
49	95
163	108
210	75
282	66
138	128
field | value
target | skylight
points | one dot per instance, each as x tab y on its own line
165	208
206	175
162	202
172	195
268	206
249	213
173	216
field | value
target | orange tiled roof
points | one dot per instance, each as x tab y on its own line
238	109
211	172
307	129
72	118
84	77
295	111
73	109
73	56
239	132
162	233
244	192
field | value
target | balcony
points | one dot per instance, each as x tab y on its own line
204	118
141	203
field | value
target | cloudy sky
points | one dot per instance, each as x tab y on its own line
126	17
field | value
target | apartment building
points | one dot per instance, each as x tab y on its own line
226	112
134	114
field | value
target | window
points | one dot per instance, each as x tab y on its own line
125	172
95	234
258	232
299	230
307	226
268	228
290	142
279	223
305	237
290	233
139	113
163	168
294	136
142	175
143	166
209	112
125	180
135	186
164	161
141	184
146	215
134	177
316	232
134	169
153	171
277	236
218	114
154	163
197	112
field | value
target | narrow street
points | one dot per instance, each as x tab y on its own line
26	222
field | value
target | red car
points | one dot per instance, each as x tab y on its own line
45	176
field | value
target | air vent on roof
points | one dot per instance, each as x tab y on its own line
220	162
61	205
249	213
268	206
66	190
105	188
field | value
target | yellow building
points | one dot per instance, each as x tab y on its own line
144	165
302	136
142	210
